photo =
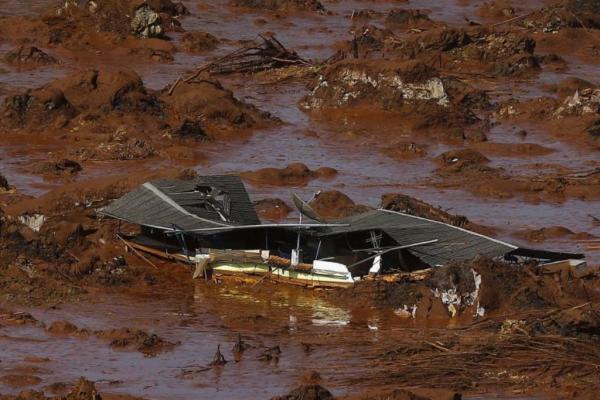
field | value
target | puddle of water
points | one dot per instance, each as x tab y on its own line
200	325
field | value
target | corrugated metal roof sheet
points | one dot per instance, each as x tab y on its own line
453	243
166	202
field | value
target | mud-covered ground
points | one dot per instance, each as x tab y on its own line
489	111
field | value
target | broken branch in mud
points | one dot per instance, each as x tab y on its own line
219	358
511	19
453	366
583	174
270	54
137	253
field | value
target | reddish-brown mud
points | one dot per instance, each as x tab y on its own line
483	115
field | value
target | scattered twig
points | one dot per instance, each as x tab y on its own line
512	19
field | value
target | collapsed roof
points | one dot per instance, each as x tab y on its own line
451	242
203	203
213	204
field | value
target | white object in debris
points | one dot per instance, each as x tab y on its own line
450	296
453	310
331	268
406	311
574	101
201	263
474	296
453	299
34	222
376	265
264	254
295	258
479	311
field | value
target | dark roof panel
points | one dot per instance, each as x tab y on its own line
453	243
165	202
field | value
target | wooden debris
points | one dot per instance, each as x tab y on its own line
414	276
280	262
240	346
272	353
219	358
137	253
270	54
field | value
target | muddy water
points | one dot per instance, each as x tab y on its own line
342	343
265	316
343	339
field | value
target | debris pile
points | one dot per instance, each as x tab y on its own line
144	19
267	55
475	48
128	149
128	28
146	23
28	56
412	89
432	41
562	15
586	101
49	243
391	85
549	325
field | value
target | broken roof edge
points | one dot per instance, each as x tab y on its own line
223	228
517	250
109	215
546	255
240	227
514	247
150	186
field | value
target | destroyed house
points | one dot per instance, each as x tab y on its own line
408	242
213	216
209	211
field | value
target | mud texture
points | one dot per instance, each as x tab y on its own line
482	115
